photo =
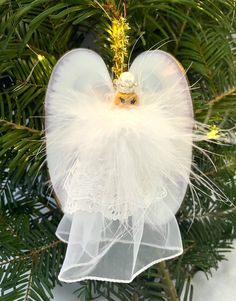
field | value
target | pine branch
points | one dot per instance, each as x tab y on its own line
218	98
167	281
18	126
32	254
211	215
27	83
222	96
28	258
29	285
182	29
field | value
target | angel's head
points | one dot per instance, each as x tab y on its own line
125	86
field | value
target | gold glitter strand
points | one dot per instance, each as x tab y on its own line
119	45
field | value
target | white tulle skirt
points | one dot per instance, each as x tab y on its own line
119	174
105	249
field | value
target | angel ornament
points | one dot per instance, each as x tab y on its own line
119	157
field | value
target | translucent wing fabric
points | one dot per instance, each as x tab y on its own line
120	174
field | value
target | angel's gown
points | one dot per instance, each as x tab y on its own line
119	174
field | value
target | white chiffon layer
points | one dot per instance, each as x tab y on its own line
119	174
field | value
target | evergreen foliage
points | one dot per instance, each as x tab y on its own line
202	36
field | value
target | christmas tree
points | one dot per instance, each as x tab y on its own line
33	36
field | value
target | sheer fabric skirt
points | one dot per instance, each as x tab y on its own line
103	249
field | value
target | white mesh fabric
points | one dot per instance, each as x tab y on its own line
103	249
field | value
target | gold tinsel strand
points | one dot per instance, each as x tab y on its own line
119	45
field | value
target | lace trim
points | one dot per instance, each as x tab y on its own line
93	191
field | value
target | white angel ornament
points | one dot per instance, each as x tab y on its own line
119	157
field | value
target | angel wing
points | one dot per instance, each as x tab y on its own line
160	75
79	72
